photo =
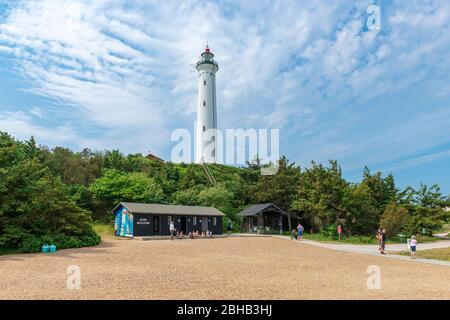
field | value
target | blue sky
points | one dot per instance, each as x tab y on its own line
116	74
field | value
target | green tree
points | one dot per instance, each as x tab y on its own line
320	195
382	190
279	188
394	219
115	186
361	214
34	202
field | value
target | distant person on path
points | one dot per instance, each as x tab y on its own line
229	228
383	241
172	230
300	231
378	236
413	247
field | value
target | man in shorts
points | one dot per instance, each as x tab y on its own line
229	228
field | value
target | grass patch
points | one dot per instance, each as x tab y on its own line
344	239
361	239
104	228
437	254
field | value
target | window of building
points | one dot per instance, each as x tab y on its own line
204	82
194	220
204	128
204	103
215	221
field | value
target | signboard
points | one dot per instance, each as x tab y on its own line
123	223
143	221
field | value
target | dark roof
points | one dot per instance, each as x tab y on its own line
153	157
261	208
166	209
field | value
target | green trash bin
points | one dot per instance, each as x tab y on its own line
52	248
45	248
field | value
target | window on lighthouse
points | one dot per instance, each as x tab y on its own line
204	103
204	128
204	82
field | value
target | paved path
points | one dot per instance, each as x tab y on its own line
372	249
445	235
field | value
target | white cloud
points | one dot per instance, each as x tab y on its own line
122	71
21	126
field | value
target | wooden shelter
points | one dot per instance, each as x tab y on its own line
263	218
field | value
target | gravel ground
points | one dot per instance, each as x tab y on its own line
225	268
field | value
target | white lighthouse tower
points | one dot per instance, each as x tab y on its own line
205	145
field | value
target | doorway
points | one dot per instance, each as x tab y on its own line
204	224
183	224
156	225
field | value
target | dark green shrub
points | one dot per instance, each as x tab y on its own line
331	231
33	243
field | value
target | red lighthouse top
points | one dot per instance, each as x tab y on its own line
207	49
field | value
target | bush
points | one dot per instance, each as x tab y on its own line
331	231
33	243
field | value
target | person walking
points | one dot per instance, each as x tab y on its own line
378	236
229	228
299	231
383	241
171	230
413	244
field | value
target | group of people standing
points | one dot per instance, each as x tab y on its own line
298	232
381	237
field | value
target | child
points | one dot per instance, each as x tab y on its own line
413	247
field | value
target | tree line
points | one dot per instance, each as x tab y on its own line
58	193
